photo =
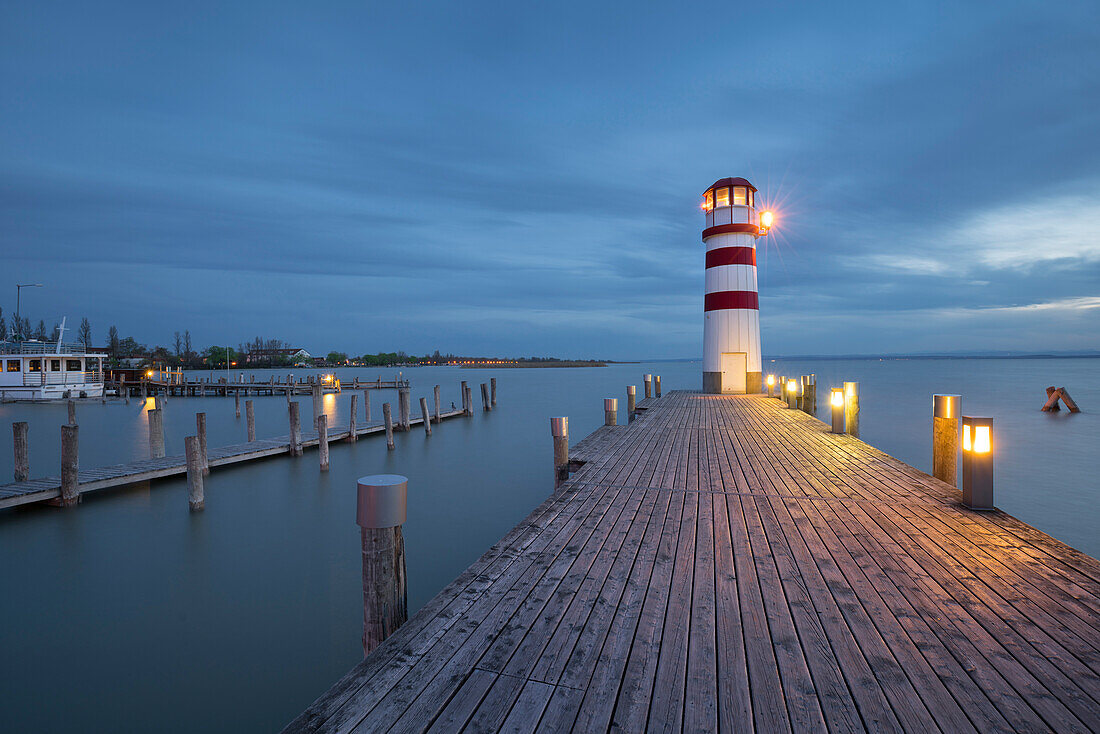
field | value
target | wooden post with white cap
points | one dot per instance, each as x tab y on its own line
381	511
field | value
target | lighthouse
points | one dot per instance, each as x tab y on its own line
731	310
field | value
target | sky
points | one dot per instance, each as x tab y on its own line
524	178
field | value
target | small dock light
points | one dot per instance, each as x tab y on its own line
771	386
977	469
836	402
792	394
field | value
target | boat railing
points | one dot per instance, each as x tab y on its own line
36	347
36	379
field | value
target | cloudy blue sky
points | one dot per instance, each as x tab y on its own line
519	178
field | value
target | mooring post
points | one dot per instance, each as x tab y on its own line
813	395
657	385
382	500
404	408
237	404
22	461
435	394
389	425
647	383
200	426
783	388
631	396
836	406
465	408
792	394
804	403
977	462
322	441
427	418
610	411
250	420
946	414
70	487
366	407
294	412
195	491
851	408
485	398
559	429
493	391
318	401
156	433
351	422
72	413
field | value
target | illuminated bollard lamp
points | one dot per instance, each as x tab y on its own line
771	386
792	394
977	469
836	403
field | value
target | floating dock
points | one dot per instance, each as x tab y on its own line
725	564
118	475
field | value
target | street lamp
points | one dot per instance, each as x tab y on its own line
18	294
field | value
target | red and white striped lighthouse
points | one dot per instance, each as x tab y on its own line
731	311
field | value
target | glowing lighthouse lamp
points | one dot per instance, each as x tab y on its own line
977	450
731	309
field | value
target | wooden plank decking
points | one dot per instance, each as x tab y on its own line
118	475
725	564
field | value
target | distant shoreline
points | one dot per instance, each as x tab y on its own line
534	365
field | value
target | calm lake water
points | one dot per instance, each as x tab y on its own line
130	613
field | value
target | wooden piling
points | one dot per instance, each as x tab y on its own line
647	383
322	441
318	401
1052	400
380	512
351	422
631	397
70	465
156	433
851	408
493	392
404	409
657	385
72	413
610	411
20	436
427	418
237	404
250	420
465	407
436	394
388	419
559	429
366	407
1068	401
946	413
485	398
196	499
294	412
200	426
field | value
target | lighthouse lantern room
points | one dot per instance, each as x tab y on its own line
731	314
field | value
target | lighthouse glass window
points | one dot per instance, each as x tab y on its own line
739	196
721	197
708	203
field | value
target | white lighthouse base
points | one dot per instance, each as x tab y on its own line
712	384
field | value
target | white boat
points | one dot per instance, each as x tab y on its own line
34	370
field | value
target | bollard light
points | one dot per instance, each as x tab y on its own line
977	470
792	394
836	402
771	385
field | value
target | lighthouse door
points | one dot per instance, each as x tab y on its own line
733	372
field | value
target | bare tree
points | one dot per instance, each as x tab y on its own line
179	345
3	327
55	334
40	333
84	333
112	337
187	353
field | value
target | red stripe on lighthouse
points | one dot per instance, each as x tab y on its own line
731	299
731	256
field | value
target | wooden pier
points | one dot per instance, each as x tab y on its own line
179	386
727	564
118	475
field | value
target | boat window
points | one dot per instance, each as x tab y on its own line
55	365
13	365
739	196
35	365
72	365
722	197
